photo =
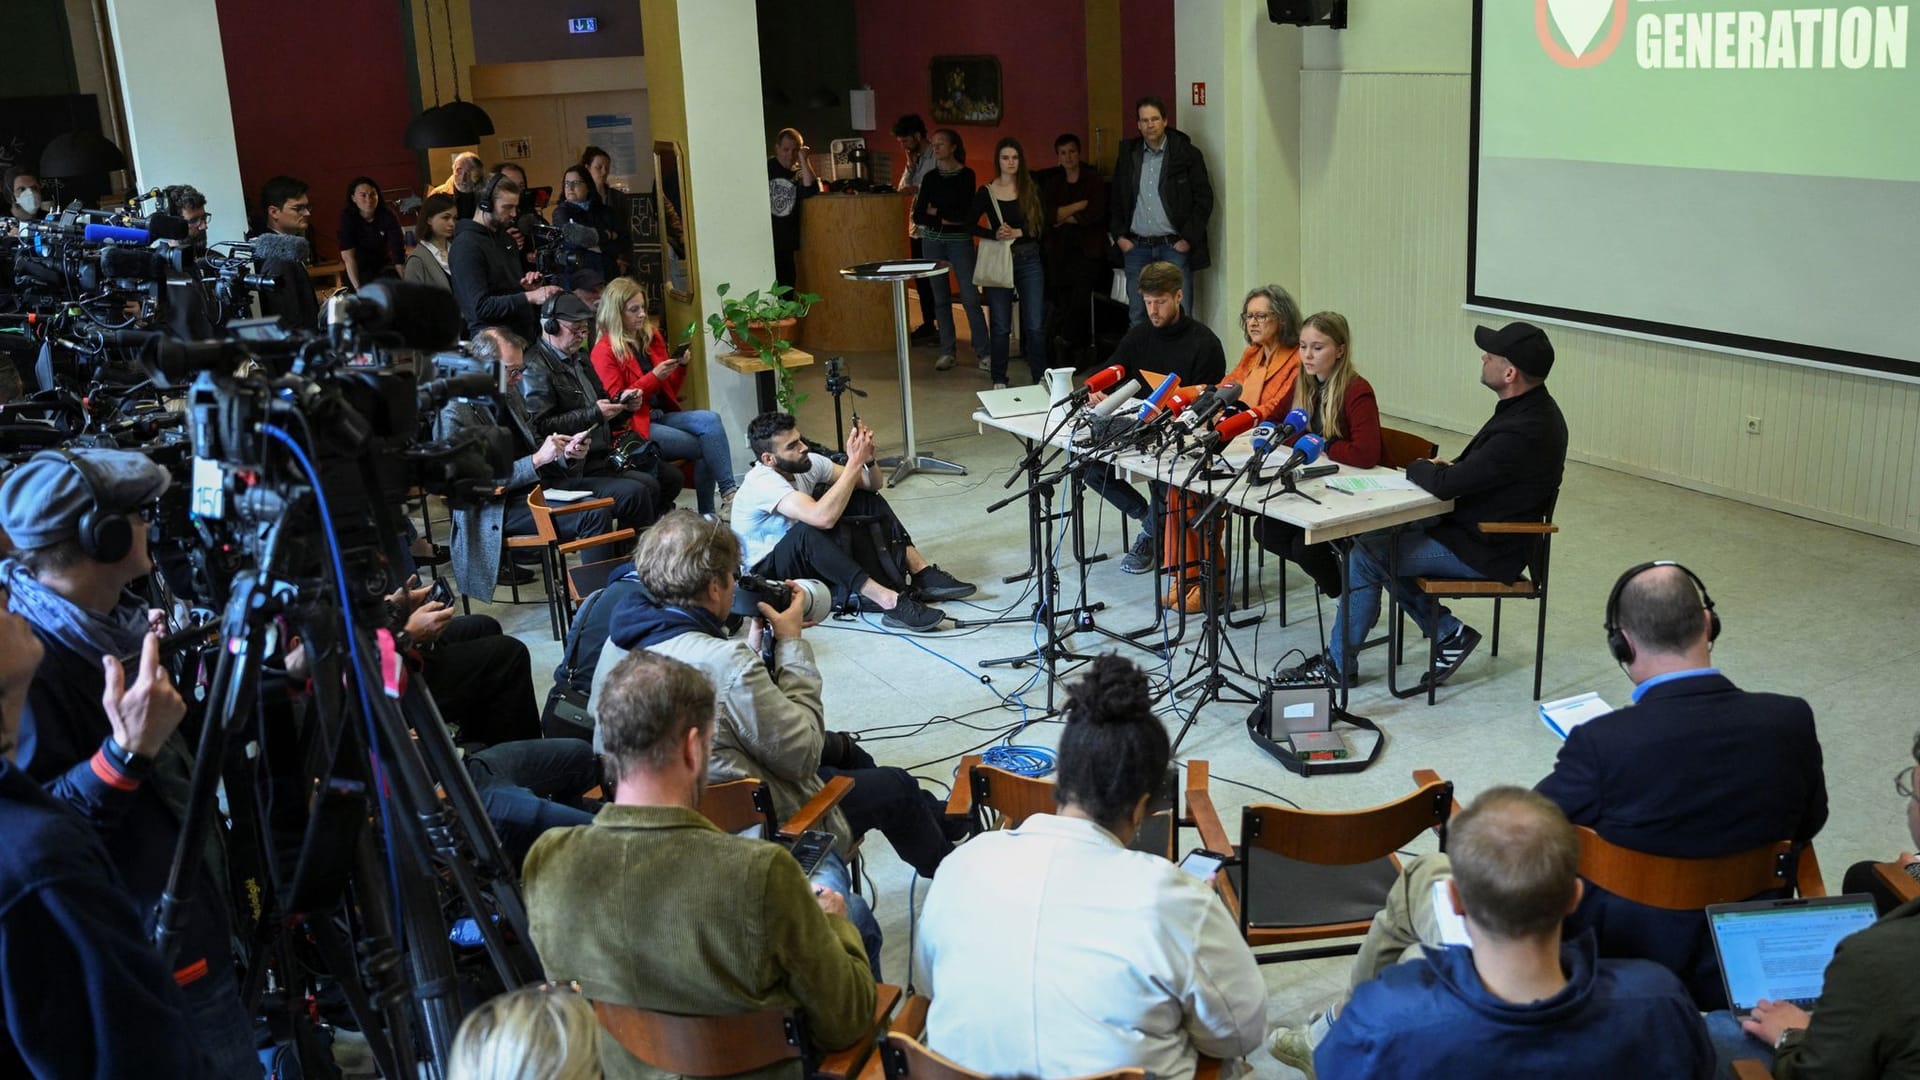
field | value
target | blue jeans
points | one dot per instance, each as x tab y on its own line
833	873
1731	1043
519	783
1138	256
696	434
1420	556
1030	281
220	1025
959	253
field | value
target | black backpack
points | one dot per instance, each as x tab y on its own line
566	713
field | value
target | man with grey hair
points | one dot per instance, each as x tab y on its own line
462	182
1516	1000
653	906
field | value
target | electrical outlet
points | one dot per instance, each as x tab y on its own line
1753	425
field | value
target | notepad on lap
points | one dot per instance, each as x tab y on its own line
560	495
1562	716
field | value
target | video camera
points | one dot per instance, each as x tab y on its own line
559	249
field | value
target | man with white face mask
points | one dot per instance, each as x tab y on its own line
23	193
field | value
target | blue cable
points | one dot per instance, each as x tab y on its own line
359	672
1021	760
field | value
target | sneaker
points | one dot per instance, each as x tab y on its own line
924	333
984	363
945	363
514	575
725	510
911	614
1291	1046
1316	671
1139	557
1453	651
999	386
936	584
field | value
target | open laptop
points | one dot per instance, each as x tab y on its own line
1778	950
1014	401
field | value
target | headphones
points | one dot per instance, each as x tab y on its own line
484	200
1617	643
105	535
548	323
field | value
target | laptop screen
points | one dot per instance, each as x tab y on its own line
1778	950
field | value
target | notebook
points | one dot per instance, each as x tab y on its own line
1014	401
1778	950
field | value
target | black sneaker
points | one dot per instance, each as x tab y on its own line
924	333
1453	651
1316	671
911	614
934	583
1139	557
513	575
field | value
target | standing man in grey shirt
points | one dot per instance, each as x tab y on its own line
1161	201
911	133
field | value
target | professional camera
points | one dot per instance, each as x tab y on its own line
560	249
754	589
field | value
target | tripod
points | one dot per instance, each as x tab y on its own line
1207	677
838	383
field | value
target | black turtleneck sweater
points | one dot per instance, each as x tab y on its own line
1185	348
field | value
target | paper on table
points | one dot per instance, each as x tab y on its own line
1453	928
1564	715
1357	484
905	267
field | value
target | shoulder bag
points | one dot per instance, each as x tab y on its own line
993	263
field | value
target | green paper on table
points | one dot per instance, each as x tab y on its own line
1354	485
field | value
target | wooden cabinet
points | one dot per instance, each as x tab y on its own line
841	230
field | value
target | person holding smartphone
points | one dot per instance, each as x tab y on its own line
1123	959
632	361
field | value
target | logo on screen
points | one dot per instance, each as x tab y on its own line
1570	30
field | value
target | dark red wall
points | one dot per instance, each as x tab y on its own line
1042	48
320	93
1146	61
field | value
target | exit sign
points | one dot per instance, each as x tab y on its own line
587	25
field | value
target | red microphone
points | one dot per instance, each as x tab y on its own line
1105	379
1228	428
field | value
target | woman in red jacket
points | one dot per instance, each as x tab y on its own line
1344	413
631	359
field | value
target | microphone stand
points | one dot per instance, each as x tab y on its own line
1287	488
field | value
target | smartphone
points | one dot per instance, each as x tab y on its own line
1203	864
810	850
441	593
684	351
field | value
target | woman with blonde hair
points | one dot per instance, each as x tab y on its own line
630	356
1342	409
544	1032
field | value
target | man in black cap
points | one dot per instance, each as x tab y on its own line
1509	472
104	740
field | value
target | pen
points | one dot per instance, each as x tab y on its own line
1342	491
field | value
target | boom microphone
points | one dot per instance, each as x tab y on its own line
279	247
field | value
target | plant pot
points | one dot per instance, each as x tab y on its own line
758	333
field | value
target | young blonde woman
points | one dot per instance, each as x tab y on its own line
631	355
1344	413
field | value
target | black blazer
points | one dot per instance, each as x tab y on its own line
1186	192
1510	472
1699	767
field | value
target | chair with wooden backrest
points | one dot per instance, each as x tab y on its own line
904	1058
1397	447
588	578
742	1042
545	539
1307	875
1899	880
1532	585
1691	884
997	799
739	805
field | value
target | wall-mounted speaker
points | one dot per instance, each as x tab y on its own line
1328	13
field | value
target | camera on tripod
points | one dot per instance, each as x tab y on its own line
561	249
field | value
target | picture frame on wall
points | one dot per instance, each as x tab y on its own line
966	89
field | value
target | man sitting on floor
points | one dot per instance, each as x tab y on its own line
653	906
789	513
1519	1001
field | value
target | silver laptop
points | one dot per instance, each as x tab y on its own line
1778	950
1014	401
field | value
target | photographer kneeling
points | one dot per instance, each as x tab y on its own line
107	749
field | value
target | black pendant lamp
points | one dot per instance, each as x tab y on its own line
455	123
80	153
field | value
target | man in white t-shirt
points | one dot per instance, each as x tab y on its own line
789	510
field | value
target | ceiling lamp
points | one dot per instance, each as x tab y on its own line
80	153
455	123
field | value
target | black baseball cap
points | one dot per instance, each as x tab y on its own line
1523	345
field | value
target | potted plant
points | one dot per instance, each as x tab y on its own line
761	323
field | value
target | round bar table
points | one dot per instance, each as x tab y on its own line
898	272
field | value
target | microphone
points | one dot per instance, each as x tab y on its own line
1305	452
278	247
1293	424
1112	402
421	316
1265	441
1177	402
579	235
1103	380
1154	399
1229	428
1208	406
116	234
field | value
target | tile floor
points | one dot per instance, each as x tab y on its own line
1809	609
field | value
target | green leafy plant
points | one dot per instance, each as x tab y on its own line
751	323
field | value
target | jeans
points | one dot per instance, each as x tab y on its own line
533	785
890	800
220	1024
834	874
1030	281
1420	556
636	502
1731	1043
696	434
959	253
809	552
1122	496
1138	256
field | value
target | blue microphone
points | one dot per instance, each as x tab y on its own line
118	234
1153	400
1305	452
1294	423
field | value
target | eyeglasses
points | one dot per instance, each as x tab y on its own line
1258	316
299	208
1903	782
573	183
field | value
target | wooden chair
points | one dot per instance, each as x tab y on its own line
904	1057
743	1042
1903	885
1691	884
997	799
588	578
739	805
1749	1069
545	539
1397	447
1532	585
1308	875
